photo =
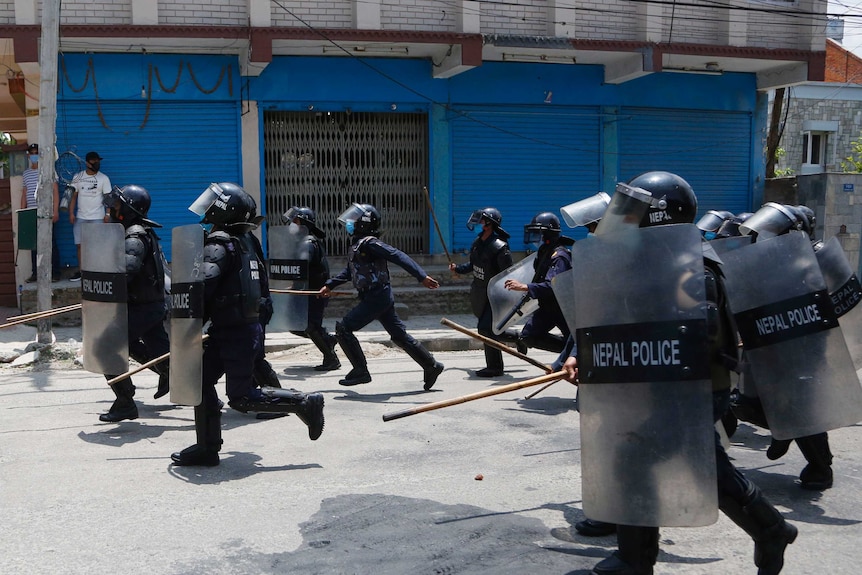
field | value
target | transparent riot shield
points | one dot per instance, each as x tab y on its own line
564	290
187	313
511	307
647	435
105	319
288	268
627	208
845	292
793	343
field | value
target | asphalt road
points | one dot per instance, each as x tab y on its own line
396	498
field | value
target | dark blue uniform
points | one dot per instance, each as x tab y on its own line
367	269
145	280
551	260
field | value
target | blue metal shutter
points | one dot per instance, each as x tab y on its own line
175	151
711	150
521	161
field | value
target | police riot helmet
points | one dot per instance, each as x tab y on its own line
587	211
361	220
130	204
306	217
730	227
772	219
673	191
712	220
544	228
225	204
807	220
490	215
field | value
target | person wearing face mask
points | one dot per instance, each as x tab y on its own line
489	255
553	258
28	200
367	269
86	205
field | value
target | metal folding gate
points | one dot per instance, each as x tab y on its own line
326	160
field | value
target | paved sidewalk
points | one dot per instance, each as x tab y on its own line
426	329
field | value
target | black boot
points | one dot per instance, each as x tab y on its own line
637	552
778	448
423	357
264	375
749	409
326	344
351	348
493	361
164	371
307	406
817	475
204	453
124	407
766	526
592	528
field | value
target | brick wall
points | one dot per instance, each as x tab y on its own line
118	12
842	65
206	12
7	12
527	17
433	15
606	20
321	14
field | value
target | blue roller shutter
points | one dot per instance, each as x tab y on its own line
711	150
175	150
522	161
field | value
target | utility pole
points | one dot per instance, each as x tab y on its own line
47	177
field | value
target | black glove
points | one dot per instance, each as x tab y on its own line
265	310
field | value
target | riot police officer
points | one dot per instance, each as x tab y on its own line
367	269
489	255
772	220
552	258
145	280
232	294
318	273
738	498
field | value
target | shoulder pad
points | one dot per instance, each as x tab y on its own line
136	230
220	236
500	244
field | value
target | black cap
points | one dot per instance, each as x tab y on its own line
34	148
93	156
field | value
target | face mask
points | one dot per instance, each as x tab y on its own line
350	227
709	236
34	158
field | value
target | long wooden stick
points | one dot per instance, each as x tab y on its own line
146	365
308	292
474	396
495	344
436	225
46	313
34	317
540	390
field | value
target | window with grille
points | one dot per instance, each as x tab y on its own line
327	160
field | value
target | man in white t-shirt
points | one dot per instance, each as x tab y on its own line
90	186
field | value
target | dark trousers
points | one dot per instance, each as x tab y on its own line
230	351
377	304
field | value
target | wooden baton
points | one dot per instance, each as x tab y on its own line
474	396
495	344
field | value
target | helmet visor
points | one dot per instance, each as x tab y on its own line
770	220
475	218
712	220
291	215
628	207
352	214
533	236
206	200
585	211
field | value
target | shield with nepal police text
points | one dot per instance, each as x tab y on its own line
288	267
845	293
104	312
792	339
645	401
187	313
